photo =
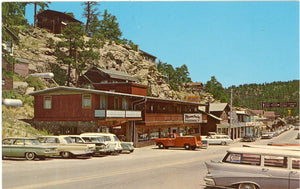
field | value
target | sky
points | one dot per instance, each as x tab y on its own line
238	42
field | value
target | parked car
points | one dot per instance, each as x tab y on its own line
109	139
175	140
217	139
267	135
298	136
101	148
66	148
255	168
28	148
248	138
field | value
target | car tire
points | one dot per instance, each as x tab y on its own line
65	154
30	155
187	146
247	186
223	143
161	146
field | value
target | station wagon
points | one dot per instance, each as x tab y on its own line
256	168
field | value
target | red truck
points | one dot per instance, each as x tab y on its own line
175	140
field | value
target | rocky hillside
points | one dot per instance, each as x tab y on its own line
34	49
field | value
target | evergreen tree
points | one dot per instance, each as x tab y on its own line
13	13
90	13
73	40
109	27
216	89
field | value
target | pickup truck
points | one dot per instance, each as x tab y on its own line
175	140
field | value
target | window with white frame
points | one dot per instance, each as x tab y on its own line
86	101
47	102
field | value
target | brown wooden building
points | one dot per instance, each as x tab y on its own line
137	118
54	21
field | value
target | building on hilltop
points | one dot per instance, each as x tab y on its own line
54	21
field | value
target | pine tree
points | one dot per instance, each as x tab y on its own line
109	27
90	13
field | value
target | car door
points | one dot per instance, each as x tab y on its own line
6	147
294	174
274	173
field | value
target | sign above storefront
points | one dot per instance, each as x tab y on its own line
193	118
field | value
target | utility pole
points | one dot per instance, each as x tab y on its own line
230	124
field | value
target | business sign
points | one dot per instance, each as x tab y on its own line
279	104
193	98
192	118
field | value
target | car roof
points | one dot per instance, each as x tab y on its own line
266	151
23	138
96	134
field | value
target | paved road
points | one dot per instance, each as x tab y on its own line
147	167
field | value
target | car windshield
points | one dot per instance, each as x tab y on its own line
116	138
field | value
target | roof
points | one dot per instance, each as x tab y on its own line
147	53
262	151
258	112
270	114
73	90
217	107
215	117
48	12
118	74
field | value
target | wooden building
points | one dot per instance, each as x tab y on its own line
7	82
137	118
54	21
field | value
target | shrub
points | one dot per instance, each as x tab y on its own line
35	82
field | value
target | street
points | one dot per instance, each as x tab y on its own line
147	167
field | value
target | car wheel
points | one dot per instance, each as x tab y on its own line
161	146
65	154
223	143
246	186
30	155
187	146
193	147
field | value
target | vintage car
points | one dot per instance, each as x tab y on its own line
66	148
113	140
101	147
248	138
267	135
217	139
29	148
256	168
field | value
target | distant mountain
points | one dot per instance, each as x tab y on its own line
252	95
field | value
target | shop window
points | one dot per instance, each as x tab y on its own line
154	134
86	101
164	133
47	102
143	134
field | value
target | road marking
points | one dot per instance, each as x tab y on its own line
97	176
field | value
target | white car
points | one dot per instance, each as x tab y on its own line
65	146
110	140
256	168
217	139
